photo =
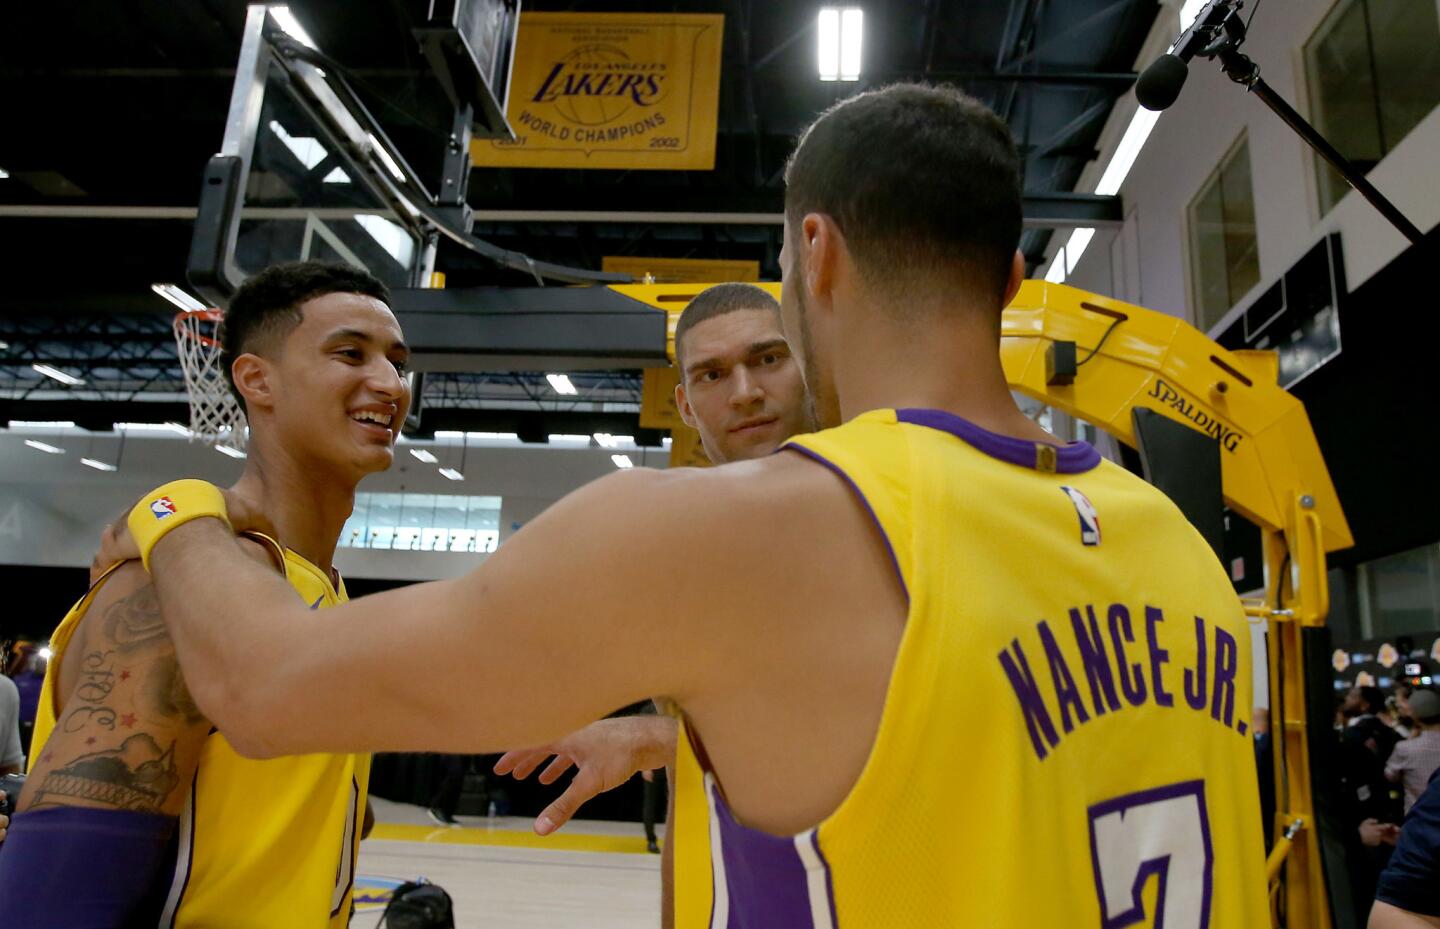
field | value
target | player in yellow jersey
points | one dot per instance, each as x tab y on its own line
932	551
741	389
136	812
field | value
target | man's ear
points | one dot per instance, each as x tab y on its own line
252	376
1017	277
820	245
682	400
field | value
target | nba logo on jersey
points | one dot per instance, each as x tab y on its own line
1089	518
162	507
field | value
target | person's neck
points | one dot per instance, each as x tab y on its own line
307	507
947	358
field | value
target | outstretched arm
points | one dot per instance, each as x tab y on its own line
536	642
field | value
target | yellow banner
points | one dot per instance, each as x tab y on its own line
682	270
611	90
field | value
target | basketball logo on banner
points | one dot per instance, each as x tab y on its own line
611	90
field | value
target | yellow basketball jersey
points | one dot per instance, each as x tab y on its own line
260	843
1064	738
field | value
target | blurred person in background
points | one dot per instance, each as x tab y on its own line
1415	759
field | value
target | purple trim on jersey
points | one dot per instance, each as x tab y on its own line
66	867
812	454
1069	459
768	883
1160	865
829	877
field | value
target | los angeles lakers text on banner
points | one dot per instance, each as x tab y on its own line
611	90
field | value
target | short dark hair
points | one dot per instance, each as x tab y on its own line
1373	698
919	179
717	301
267	306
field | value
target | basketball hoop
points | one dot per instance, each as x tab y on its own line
215	414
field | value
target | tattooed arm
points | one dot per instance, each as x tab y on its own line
128	736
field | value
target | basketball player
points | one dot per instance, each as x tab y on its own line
741	389
122	756
865	589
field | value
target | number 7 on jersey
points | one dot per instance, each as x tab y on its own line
1164	831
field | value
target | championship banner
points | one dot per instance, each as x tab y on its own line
658	409
611	90
686	450
683	270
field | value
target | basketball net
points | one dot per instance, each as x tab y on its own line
215	415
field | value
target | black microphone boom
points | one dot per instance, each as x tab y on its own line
1159	85
1218	32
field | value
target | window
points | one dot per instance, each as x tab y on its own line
1373	69
1224	255
423	523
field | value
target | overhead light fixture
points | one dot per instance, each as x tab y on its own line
605	440
4	174
230	450
561	384
1075	247
1188	11
97	465
44	447
493	436
622	461
177	295
336	176
841	34
1056	274
423	455
41	424
386	158
67	379
45	652
174	428
561	439
4	345
452	474
287	21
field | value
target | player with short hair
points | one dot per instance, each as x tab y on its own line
931	551
740	388
136	811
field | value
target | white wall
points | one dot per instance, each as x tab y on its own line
52	508
1149	253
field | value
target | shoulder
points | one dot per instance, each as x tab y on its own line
9	693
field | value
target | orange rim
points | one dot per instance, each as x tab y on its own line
183	329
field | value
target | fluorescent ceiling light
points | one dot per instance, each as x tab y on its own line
852	28
4	174
604	440
1075	247
423	455
385	157
1056	274
59	375
1127	151
41	424
622	461
667	442
501	436
44	447
174	428
45	653
829	44
390	235
229	450
306	149
4	345
291	25
337	176
179	297
556	439
97	465
452	474
561	383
